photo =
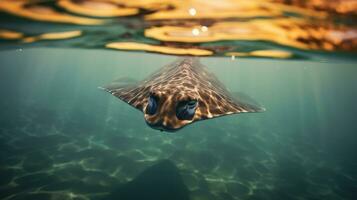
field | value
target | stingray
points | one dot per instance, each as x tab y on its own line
179	94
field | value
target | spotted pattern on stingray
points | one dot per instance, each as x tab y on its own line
185	79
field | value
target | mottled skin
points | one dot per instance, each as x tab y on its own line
185	79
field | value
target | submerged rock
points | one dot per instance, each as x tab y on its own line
161	181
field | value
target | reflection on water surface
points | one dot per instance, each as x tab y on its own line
193	27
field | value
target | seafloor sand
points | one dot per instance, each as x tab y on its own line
44	157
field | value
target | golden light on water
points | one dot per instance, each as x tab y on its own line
192	11
53	36
261	53
195	32
333	6
192	24
97	8
30	10
159	49
10	35
295	33
217	9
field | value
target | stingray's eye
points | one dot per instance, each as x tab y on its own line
185	110
151	108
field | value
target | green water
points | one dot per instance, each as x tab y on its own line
62	138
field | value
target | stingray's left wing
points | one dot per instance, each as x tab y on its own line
217	103
215	100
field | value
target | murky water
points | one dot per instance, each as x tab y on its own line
63	138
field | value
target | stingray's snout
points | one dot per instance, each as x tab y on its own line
161	127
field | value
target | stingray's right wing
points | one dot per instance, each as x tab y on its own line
134	94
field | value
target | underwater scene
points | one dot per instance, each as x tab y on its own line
178	100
